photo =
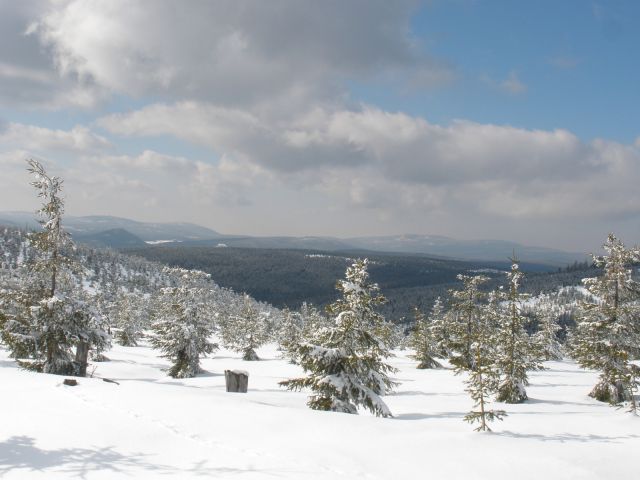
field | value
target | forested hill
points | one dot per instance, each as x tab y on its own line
291	277
105	274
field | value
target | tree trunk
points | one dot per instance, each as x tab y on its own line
82	355
236	380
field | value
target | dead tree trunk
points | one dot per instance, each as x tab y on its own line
236	380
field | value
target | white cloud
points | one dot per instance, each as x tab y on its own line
234	52
45	140
394	161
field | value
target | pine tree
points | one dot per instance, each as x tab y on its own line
129	316
183	322
16	330
482	374
439	328
53	313
546	337
607	333
516	352
423	342
464	313
312	320
246	329
289	332
345	361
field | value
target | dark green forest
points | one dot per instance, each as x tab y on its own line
287	278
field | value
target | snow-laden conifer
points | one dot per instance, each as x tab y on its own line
312	320
183	322
246	329
482	375
52	312
466	308
516	351
439	328
423	343
129	316
289	332
345	361
546	337
607	333
17	295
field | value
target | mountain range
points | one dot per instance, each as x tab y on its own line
116	232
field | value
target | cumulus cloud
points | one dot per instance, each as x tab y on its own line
256	93
28	72
395	161
39	139
234	52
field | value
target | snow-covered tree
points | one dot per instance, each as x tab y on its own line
482	374
516	351
246	329
17	296
289	332
51	312
465	310
422	341
546	337
607	334
440	329
345	361
183	322
129	314
312	320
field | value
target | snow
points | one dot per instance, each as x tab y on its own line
151	426
159	242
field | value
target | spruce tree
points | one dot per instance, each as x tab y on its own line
129	316
482	374
183	322
17	295
516	351
607	333
345	361
289	332
440	329
546	337
246	329
466	307
60	315
423	343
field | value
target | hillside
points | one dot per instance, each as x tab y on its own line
88	226
151	426
291	277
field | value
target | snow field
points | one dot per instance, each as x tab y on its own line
152	426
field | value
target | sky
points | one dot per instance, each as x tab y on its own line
474	119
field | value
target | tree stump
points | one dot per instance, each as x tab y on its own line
72	382
237	380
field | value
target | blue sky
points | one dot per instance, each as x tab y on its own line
577	61
472	119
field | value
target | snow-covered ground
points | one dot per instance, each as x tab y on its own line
151	426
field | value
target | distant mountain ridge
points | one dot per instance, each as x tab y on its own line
94	224
116	232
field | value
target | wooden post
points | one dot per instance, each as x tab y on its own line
236	380
82	355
